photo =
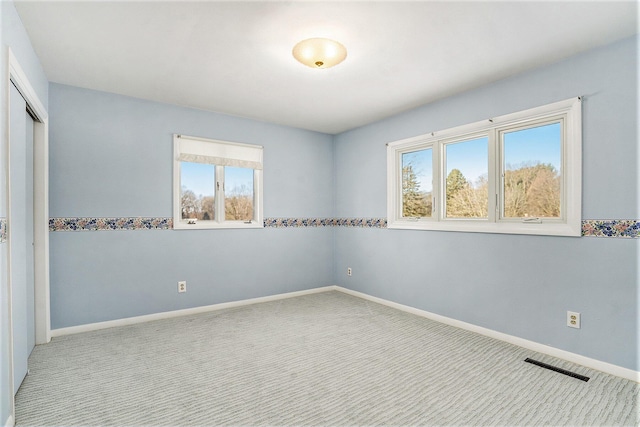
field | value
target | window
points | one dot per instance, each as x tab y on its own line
531	171
466	184
217	184
417	199
519	173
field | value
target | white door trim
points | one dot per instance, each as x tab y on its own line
41	198
17	76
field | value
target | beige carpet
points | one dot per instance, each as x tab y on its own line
322	359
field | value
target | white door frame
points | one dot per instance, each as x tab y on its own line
17	76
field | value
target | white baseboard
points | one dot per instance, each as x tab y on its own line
10	422
598	365
184	312
521	342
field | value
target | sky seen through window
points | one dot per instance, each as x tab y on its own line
531	146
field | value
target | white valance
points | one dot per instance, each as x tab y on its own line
210	151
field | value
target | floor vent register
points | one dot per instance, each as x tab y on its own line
556	369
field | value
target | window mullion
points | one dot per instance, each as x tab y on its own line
398	165
494	198
437	195
220	194
257	190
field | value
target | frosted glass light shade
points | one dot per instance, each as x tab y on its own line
319	52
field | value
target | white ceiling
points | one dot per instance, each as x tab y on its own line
234	57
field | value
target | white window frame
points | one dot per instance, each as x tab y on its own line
569	224
220	154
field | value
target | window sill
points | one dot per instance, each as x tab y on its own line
482	226
212	225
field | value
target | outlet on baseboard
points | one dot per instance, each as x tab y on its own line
573	319
182	286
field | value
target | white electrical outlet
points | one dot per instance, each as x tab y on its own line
182	286
348	271
573	319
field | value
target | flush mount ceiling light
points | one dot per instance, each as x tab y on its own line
319	52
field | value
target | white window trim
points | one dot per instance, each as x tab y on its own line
568	225
188	148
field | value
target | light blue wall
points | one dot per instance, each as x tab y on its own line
519	285
111	156
14	36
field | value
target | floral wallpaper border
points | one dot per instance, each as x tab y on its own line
143	223
625	228
326	222
611	228
3	230
99	224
